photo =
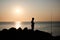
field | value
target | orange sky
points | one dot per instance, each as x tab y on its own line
41	10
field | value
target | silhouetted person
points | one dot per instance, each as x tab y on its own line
32	24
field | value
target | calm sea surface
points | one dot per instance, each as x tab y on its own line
49	27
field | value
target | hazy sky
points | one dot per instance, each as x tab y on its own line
41	10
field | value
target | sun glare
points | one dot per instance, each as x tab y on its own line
17	10
17	25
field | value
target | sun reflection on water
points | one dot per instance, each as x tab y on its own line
17	25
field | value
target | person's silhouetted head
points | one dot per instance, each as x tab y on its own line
32	18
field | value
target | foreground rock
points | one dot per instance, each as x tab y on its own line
19	34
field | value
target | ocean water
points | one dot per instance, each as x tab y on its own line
50	27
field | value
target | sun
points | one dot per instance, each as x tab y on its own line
18	11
